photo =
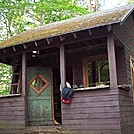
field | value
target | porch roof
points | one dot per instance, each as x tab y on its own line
89	21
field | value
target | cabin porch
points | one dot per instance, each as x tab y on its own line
95	58
94	106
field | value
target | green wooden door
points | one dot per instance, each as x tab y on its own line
39	96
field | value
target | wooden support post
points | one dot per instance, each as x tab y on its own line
93	73
62	66
85	73
112	60
24	76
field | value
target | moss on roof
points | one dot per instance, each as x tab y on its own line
75	24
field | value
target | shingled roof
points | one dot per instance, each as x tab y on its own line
116	15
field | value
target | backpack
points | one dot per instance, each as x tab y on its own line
67	93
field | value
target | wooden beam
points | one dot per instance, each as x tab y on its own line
24	74
48	41
83	36
85	73
24	93
24	46
14	49
93	73
35	43
112	60
89	31
62	38
75	35
62	66
85	48
75	50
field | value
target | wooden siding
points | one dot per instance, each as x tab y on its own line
125	33
121	66
12	114
126	112
77	72
95	111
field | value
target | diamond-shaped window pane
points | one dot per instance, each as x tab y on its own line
38	83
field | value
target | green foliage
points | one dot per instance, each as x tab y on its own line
5	78
4	91
19	15
12	13
130	1
43	12
101	72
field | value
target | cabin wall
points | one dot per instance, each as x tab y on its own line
121	66
95	111
126	112
12	114
125	34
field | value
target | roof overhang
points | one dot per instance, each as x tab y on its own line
74	30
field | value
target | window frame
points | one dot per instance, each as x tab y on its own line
131	69
85	61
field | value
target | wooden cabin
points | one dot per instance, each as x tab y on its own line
94	53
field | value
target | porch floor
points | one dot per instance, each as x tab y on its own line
44	129
58	129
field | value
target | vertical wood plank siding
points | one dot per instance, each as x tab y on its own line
126	112
121	66
77	71
94	111
125	34
12	114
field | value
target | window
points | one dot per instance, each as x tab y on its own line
95	71
5	79
132	69
16	79
132	74
10	79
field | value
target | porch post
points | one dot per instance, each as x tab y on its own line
23	74
112	60
24	94
62	66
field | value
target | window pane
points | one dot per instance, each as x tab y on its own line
5	79
98	72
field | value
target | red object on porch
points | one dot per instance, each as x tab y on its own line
65	101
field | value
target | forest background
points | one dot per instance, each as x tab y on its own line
17	16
